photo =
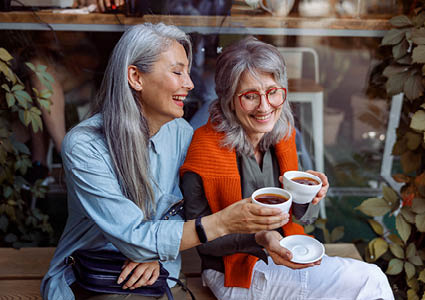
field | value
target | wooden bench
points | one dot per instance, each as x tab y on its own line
21	270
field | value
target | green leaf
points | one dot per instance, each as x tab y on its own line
374	207
413	283
27	117
31	66
397	250
44	81
411	294
10	99
395	266
46	94
420	222
4	55
403	228
23	98
418	121
376	226
409	269
421	276
410	161
395	83
393	36
418	54
405	60
337	233
10	76
394	69
395	239
44	103
408	215
21	116
411	250
7	192
416	260
418	36
309	228
418	205
389	195
17	87
400	147
400	21
379	247
419	19
6	87
413	140
413	87
41	69
400	50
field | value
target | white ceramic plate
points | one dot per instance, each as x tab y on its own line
304	249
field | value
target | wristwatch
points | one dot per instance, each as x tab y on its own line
200	230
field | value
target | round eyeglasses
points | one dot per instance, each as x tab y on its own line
251	100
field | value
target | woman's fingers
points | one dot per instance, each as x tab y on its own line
143	274
127	269
143	279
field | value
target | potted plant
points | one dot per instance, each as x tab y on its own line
20	224
401	252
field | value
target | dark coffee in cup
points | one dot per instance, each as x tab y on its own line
305	180
271	198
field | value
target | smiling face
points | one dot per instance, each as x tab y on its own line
164	89
262	119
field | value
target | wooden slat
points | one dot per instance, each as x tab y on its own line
20	289
25	263
235	21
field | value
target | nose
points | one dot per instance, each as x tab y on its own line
187	83
264	104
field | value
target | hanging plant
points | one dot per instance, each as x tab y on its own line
402	251
20	224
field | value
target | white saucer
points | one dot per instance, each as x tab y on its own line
304	249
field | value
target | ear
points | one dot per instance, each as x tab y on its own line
135	78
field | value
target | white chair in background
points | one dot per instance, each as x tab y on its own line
307	90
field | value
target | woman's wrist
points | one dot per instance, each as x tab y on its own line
214	227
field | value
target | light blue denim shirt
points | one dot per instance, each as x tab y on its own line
100	216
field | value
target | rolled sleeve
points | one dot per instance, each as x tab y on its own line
169	235
98	194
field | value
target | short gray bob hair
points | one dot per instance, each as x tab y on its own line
253	56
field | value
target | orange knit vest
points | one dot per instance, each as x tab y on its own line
217	166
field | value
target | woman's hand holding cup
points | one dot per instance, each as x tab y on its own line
305	187
246	217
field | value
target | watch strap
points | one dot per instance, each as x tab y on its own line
200	230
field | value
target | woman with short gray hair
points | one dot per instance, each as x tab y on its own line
248	142
121	167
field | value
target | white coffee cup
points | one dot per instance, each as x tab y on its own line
280	8
301	193
284	206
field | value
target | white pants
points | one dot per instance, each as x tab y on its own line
335	278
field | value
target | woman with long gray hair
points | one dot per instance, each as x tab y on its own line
121	168
248	142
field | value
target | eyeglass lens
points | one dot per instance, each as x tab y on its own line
275	97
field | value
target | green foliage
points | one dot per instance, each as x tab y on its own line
403	251
328	236
20	225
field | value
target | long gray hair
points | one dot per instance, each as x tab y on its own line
125	127
253	56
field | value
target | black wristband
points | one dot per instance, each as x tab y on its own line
200	230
